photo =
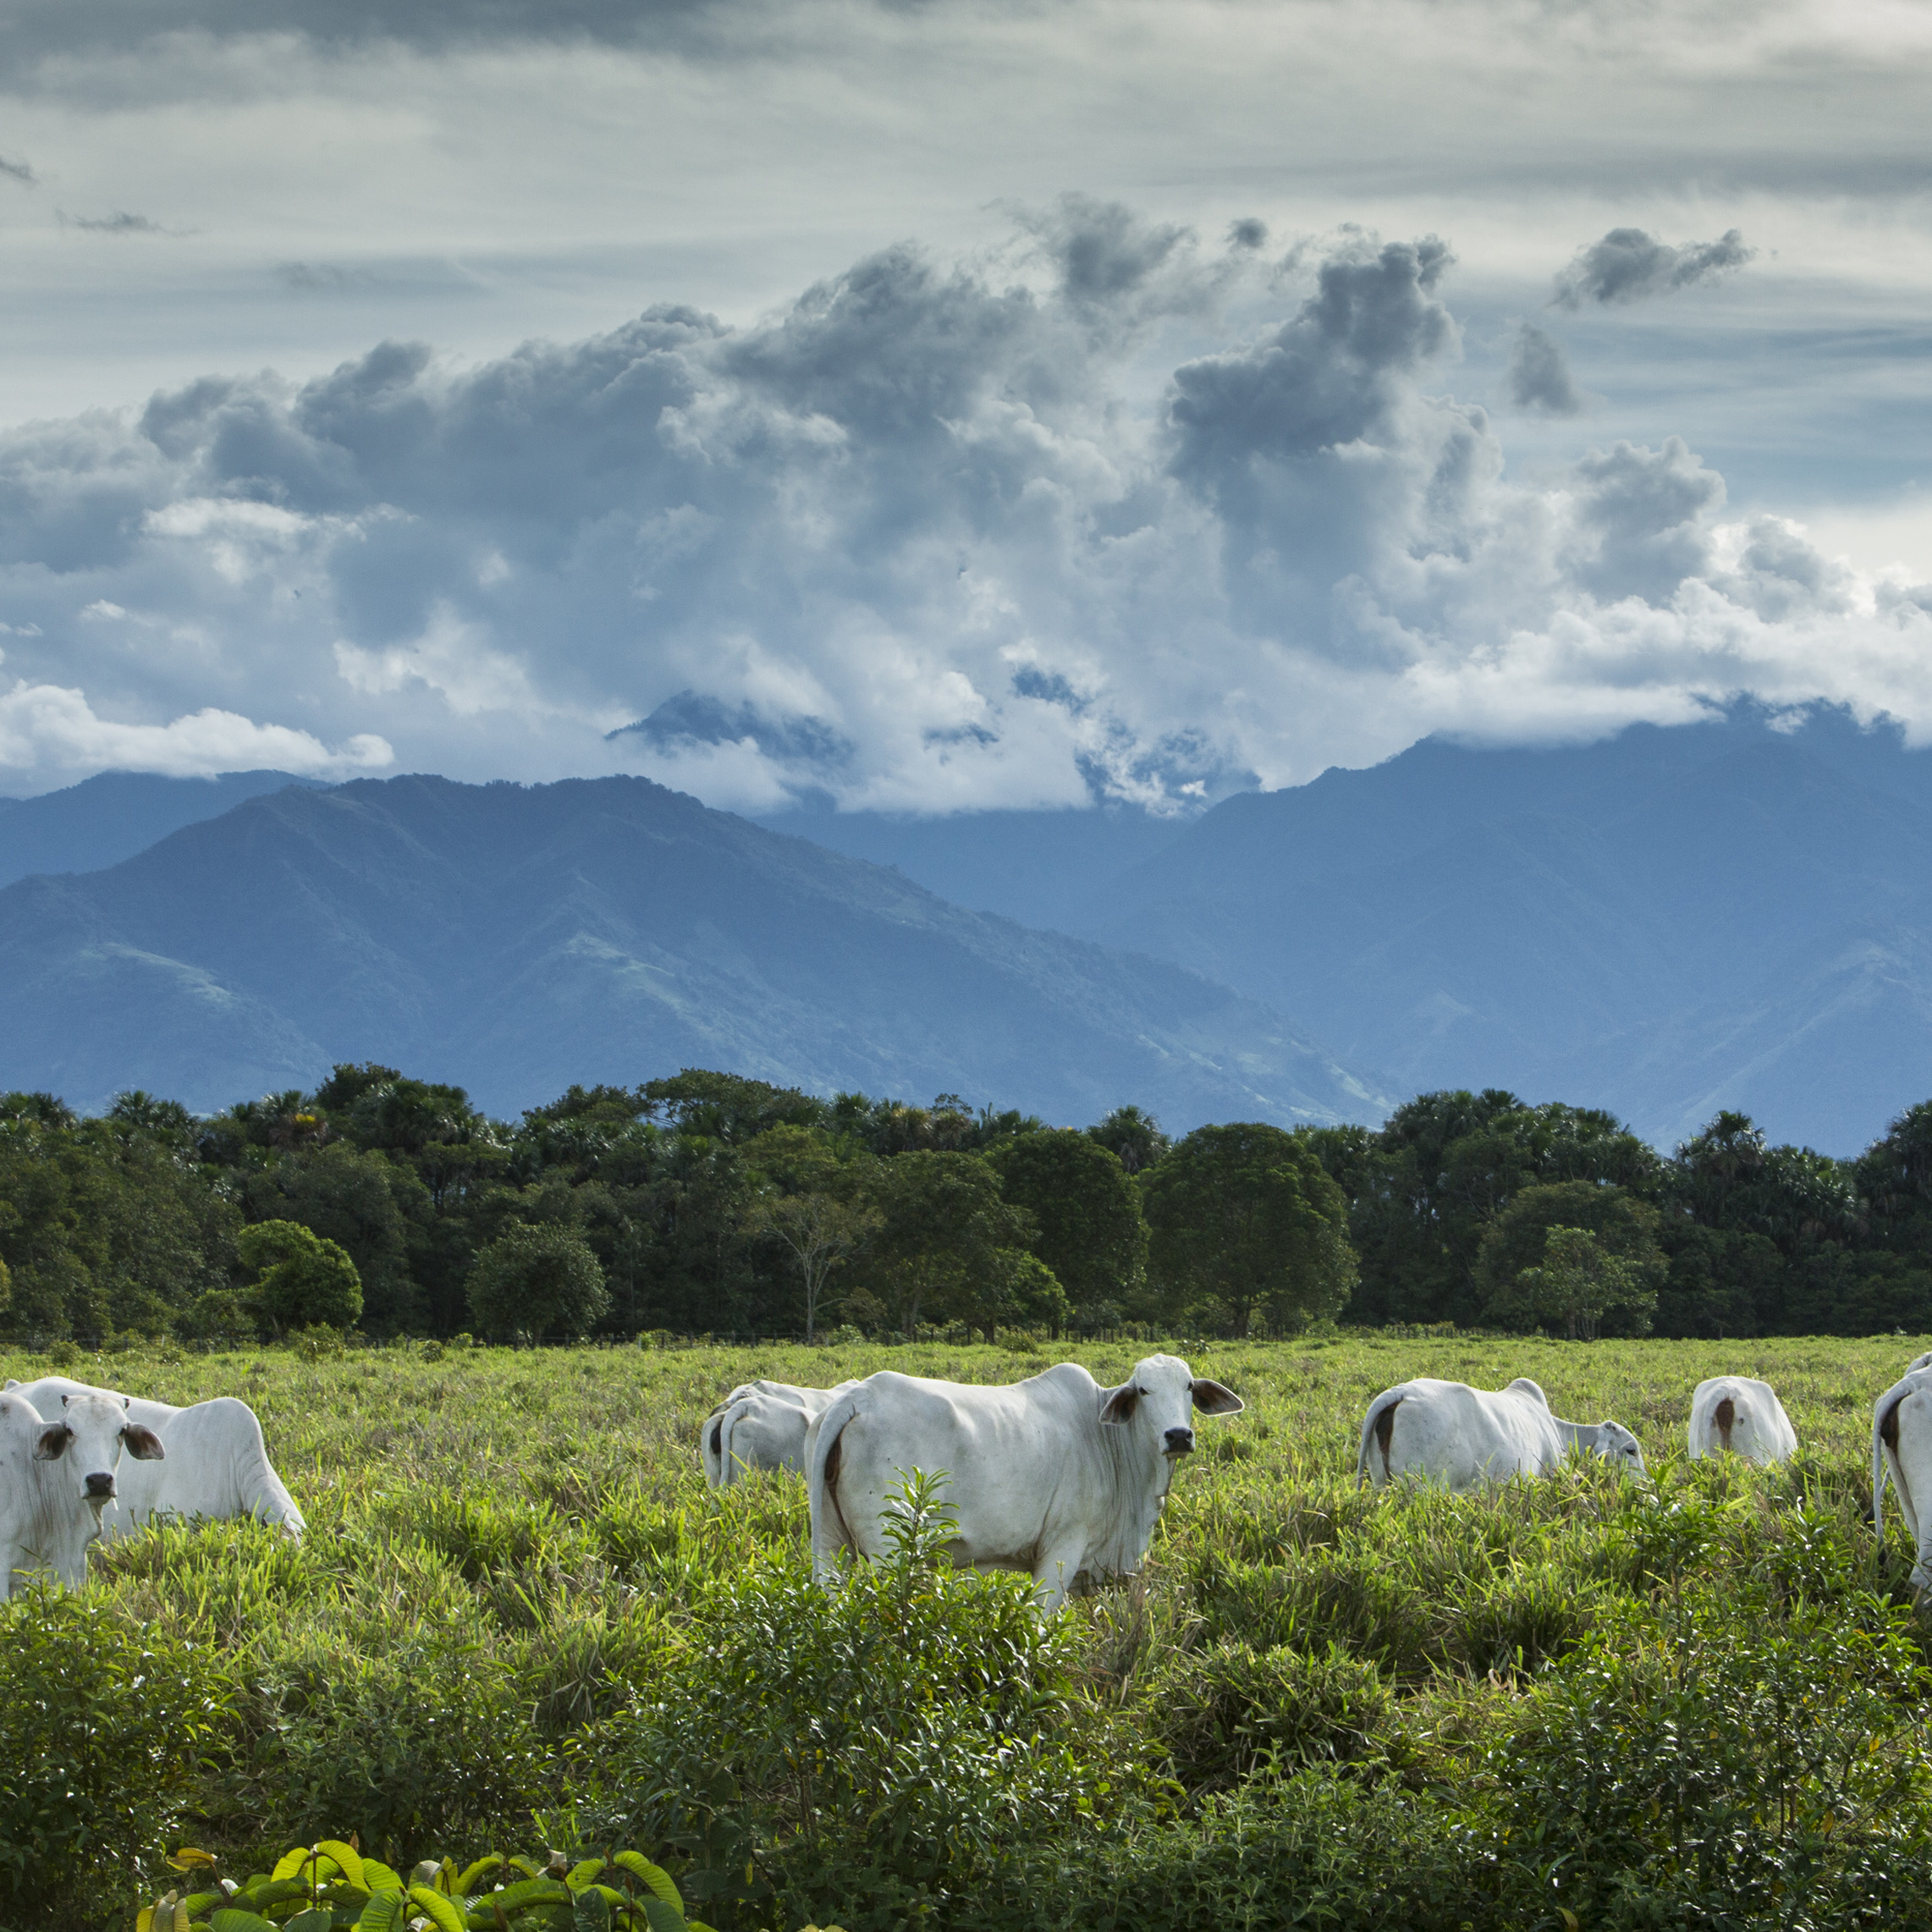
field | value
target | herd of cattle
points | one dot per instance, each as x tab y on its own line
1062	1478
1056	1475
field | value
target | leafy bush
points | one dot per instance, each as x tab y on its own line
1222	1711
537	1280
876	1750
429	1740
100	1729
305	1280
331	1883
1724	1766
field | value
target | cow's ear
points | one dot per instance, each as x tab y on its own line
1216	1398
1120	1404
51	1444
142	1444
13	1382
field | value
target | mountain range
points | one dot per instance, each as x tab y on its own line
114	815
1733	914
1672	921
515	939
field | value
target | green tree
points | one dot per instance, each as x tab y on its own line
807	1204
537	1280
946	1240
1243	1220
1092	1233
301	1279
1624	1229
1577	1283
1132	1137
363	1201
728	1107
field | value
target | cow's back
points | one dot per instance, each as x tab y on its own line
216	1466
1449	1433
1016	1458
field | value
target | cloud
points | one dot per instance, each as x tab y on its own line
1539	374
119	223
47	732
18	171
312	277
1628	265
935	534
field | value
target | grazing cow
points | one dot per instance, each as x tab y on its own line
217	1464
1447	1432
761	1425
1740	1415
1901	1447
58	1475
1053	1475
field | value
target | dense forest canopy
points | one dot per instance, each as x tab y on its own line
710	1204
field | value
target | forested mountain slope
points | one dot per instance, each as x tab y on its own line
519	939
114	815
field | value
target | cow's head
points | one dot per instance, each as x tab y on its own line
88	1435
1618	1446
1160	1399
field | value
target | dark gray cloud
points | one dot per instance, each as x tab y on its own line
33	30
120	223
1539	374
314	277
1249	232
18	171
1629	265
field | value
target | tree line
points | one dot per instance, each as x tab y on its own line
710	1204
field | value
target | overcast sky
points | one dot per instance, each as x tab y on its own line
934	405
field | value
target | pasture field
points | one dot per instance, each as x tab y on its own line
518	1616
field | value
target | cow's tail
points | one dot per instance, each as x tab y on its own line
830	1533
722	1426
1377	1426
1884	1438
711	1448
1724	1420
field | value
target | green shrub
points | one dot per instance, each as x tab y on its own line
1220	1711
100	1729
537	1280
876	1750
431	1739
305	1280
1724	1766
333	1884
224	1316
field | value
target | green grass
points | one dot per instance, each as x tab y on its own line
513	1562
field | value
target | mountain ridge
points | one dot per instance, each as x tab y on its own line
516	939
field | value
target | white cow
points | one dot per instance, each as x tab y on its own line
1919	1361
1743	1416
1054	1475
1901	1447
761	1425
217	1464
1447	1432
58	1475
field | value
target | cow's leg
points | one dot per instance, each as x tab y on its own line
1054	1572
16	1563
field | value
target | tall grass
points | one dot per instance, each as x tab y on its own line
516	1592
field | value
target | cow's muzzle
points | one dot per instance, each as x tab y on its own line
1180	1442
101	1487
